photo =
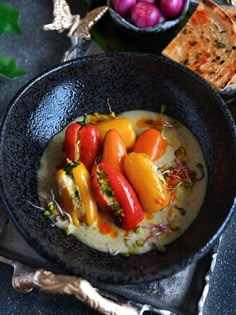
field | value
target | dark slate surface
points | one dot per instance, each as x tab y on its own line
35	51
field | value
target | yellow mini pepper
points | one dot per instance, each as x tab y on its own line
75	190
123	125
149	185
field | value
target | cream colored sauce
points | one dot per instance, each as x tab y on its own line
190	200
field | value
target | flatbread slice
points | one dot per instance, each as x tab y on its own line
207	45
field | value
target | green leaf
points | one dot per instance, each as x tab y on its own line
9	17
9	69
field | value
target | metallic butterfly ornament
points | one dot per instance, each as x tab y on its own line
64	20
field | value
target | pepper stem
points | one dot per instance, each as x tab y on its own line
85	120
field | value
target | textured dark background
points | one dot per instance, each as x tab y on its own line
35	51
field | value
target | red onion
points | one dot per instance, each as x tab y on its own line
123	7
147	1
145	14
171	8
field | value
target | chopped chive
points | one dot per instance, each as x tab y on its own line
186	62
68	167
149	122
219	44
182	211
194	42
198	56
76	193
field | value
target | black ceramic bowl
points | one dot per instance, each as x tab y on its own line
130	81
134	30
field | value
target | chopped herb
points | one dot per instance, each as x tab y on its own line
149	122
186	62
213	60
77	194
116	207
233	47
109	192
194	42
198	56
180	152
223	31
222	61
174	227
182	211
102	188
219	44
185	31
218	57
227	50
212	72
69	166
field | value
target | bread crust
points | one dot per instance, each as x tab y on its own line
207	45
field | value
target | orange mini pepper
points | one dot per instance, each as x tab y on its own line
149	184
152	143
114	149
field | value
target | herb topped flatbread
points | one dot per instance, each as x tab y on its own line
207	45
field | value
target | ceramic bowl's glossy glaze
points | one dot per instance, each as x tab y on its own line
132	29
130	81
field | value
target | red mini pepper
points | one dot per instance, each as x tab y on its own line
115	196
82	143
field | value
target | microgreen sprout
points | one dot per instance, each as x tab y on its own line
155	231
112	252
54	211
37	207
